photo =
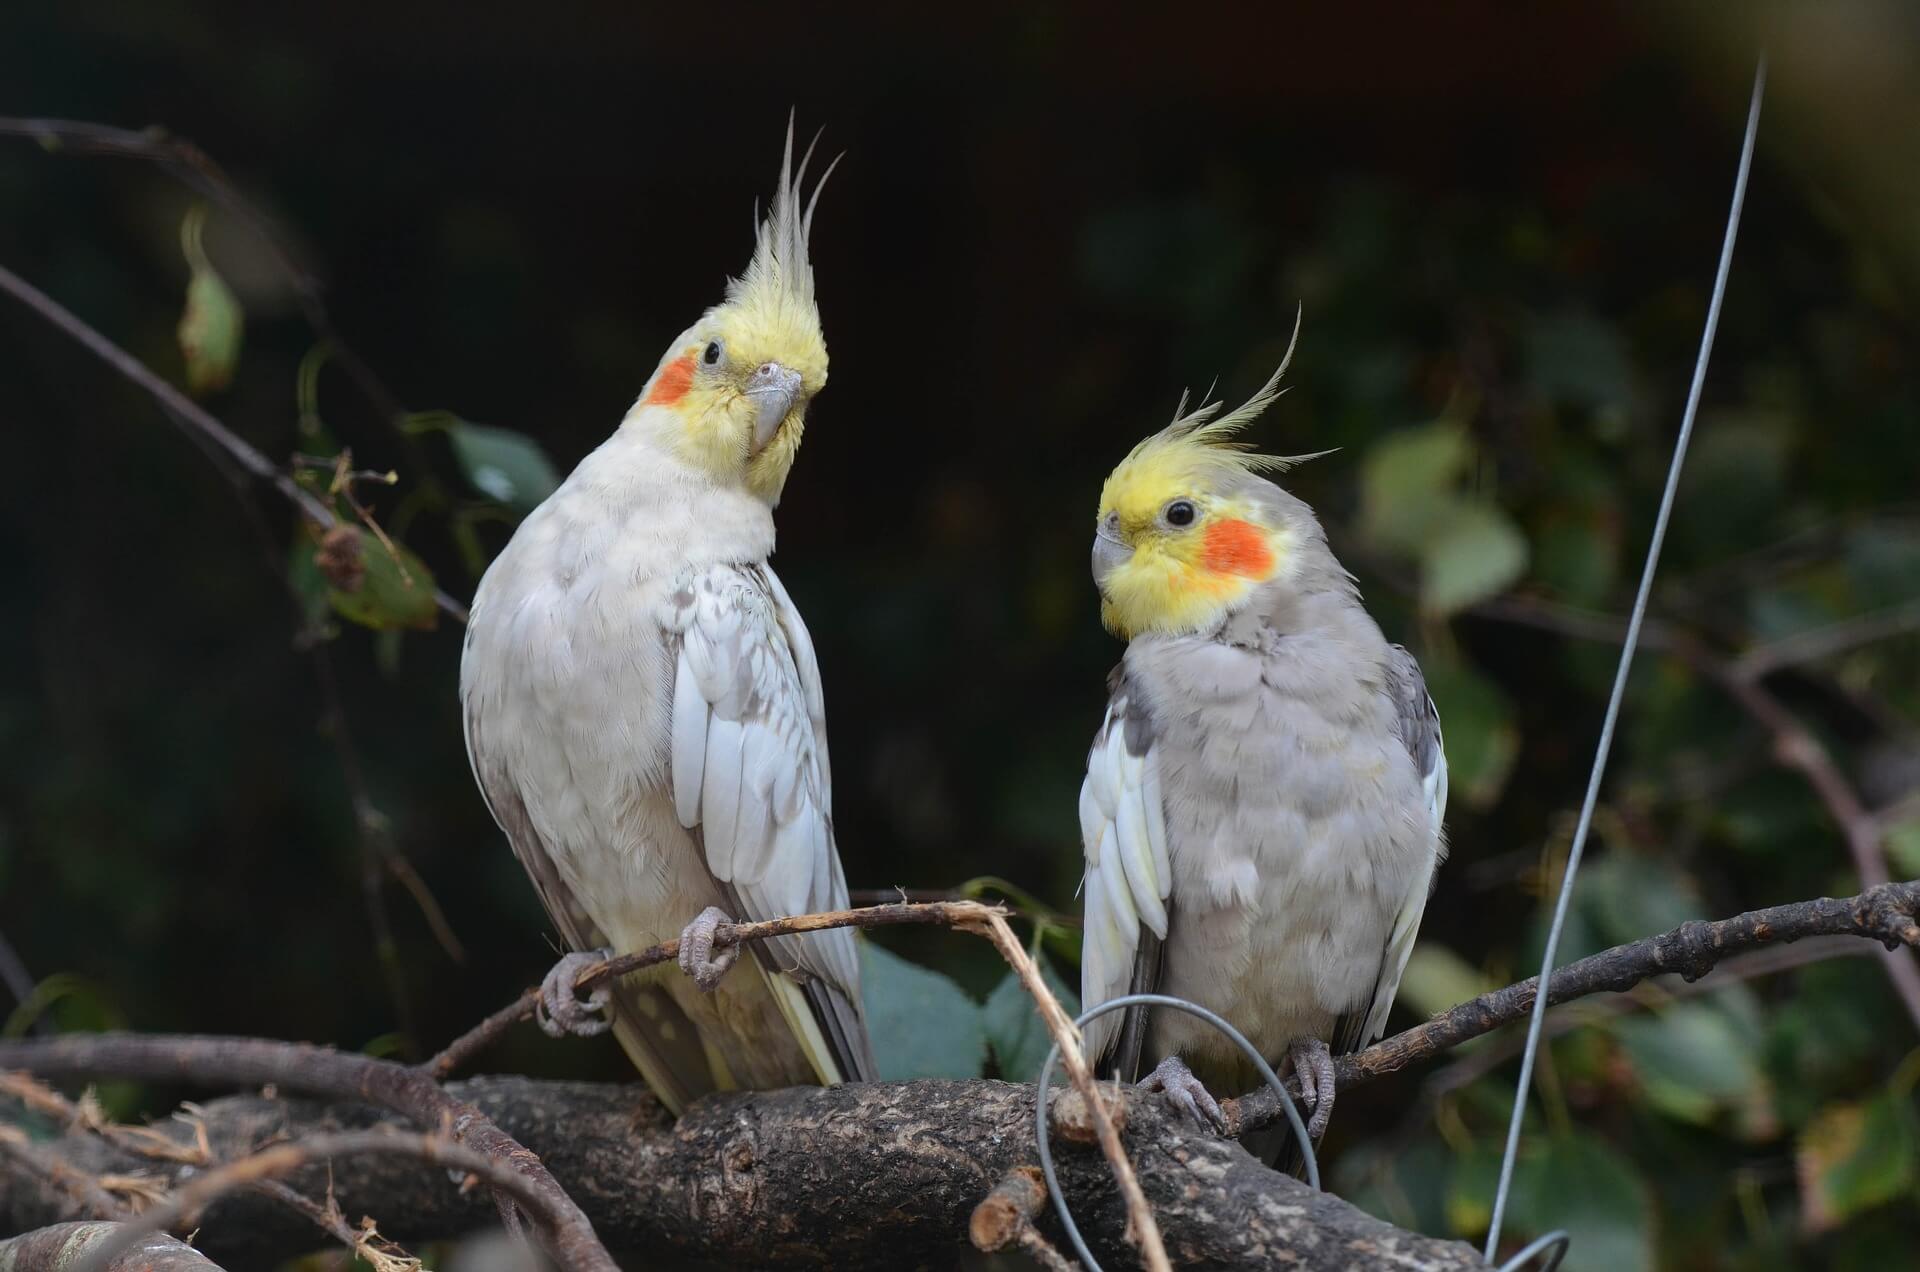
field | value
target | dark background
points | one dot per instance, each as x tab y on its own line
1050	219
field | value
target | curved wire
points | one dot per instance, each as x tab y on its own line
1626	662
1558	1240
1192	1009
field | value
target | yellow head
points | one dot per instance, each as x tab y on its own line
1188	529
730	395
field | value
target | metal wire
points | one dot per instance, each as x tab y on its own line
1626	661
1252	1053
1558	1240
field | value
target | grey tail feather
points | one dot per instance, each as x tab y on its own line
840	1021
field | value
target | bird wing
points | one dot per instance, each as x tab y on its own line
751	780
1417	722
1129	878
668	1050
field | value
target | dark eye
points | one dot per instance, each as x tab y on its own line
712	355
1180	512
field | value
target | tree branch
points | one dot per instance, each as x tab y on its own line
1885	914
300	1067
66	1247
877	1175
868	1175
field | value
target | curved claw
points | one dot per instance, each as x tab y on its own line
1176	1082
698	957
1314	1063
560	1011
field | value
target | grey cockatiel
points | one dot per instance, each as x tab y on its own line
644	713
1263	802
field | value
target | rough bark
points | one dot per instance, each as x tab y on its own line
64	1247
884	1175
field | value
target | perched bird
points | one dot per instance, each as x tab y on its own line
644	714
1262	808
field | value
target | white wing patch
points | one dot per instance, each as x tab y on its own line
748	758
1123	832
1406	921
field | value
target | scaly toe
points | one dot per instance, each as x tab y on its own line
561	1011
1185	1092
698	958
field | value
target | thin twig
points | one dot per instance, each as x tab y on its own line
967	916
1793	745
95	1202
1824	642
1885	914
271	1163
404	1089
87	1116
1799	750
361	1242
483	1035
196	421
1142	1229
1568	1017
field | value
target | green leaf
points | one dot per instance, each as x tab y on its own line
1577	358
923	1025
1019	1038
1478	730
1472	551
212	322
369	585
507	467
1406	479
1903	845
1693	1060
1575	1181
1855	1156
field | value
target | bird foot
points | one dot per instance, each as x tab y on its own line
560	1010
1314	1063
698	957
1176	1082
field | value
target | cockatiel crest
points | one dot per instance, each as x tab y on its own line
1180	537
730	396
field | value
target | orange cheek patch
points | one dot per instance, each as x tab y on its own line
1237	547
672	384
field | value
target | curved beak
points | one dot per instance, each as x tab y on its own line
1110	551
773	389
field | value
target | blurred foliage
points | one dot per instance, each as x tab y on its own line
1503	258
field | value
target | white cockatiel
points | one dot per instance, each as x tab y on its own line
1263	803
644	713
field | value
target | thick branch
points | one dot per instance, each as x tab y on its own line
65	1247
881	1175
299	1067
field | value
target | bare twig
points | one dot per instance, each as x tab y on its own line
1824	642
1799	750
1142	1229
1885	914
967	916
1793	745
271	1163
87	1116
299	1067
483	1035
193	419
92	1200
1567	1017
